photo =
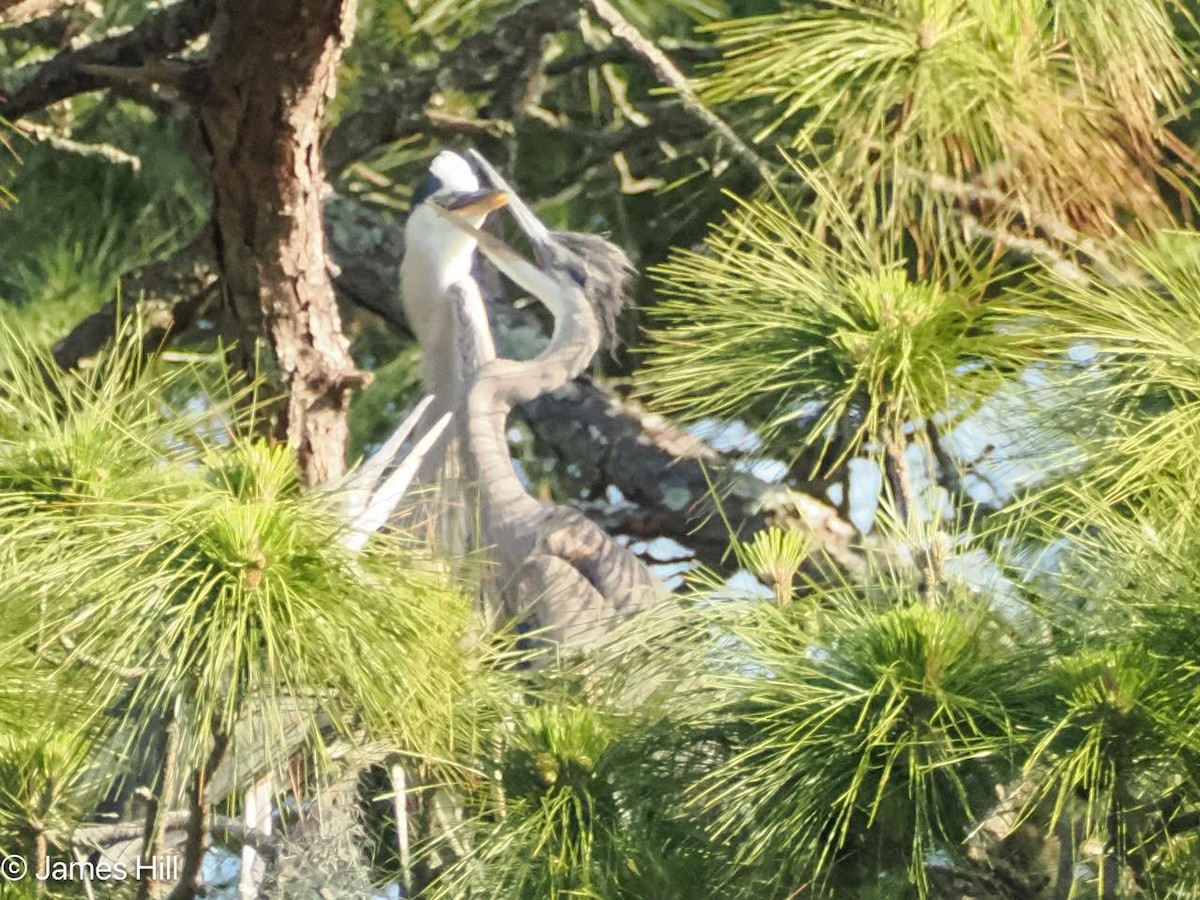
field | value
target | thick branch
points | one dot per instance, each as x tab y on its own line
160	795
366	251
66	75
671	477
198	823
106	152
262	126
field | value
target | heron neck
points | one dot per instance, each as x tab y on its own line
574	342
506	507
502	384
483	425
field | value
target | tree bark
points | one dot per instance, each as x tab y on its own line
273	67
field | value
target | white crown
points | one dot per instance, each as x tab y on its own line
453	172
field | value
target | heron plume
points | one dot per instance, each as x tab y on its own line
605	274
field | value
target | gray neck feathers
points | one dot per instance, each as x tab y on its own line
500	385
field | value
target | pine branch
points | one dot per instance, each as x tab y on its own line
1055	229
624	31
106	152
97	663
402	108
668	475
1035	248
151	40
168	295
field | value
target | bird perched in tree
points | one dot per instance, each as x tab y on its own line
438	255
556	570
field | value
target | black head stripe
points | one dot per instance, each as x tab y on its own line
428	188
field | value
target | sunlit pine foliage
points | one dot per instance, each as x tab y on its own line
1132	438
59	269
776	556
1055	109
196	575
1115	754
72	435
1110	756
45	788
798	332
858	752
584	808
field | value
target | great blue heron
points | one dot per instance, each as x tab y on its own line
556	570
436	256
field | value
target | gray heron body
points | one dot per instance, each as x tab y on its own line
556	570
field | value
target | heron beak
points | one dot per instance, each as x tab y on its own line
477	203
505	258
538	234
490	244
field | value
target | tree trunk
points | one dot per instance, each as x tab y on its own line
273	66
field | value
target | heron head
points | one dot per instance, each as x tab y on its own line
453	185
601	269
437	254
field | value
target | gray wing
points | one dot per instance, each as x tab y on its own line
579	584
550	598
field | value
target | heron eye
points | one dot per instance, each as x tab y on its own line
428	188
